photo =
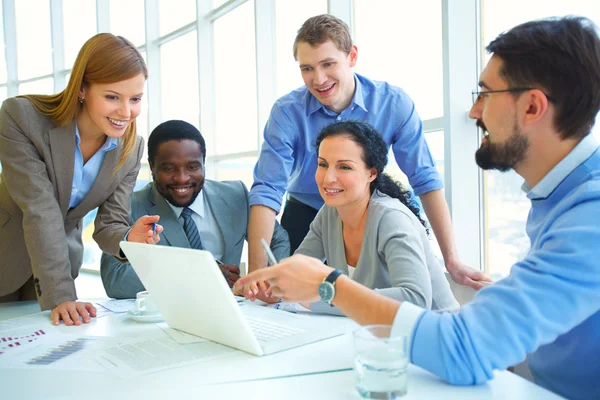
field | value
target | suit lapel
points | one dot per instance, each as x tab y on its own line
224	216
62	147
173	231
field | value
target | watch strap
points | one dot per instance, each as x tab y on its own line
333	276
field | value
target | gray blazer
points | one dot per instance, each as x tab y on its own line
39	235
396	258
229	203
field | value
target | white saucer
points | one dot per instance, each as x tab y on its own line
136	316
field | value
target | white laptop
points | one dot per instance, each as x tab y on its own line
189	290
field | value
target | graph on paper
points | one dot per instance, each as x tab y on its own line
59	352
9	342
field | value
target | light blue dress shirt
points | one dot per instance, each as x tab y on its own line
84	175
288	159
204	218
549	305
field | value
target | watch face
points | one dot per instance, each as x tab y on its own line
326	291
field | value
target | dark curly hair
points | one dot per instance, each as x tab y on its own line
374	155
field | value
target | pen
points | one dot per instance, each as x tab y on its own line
270	255
219	261
154	228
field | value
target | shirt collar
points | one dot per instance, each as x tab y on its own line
108	145
584	149
197	206
313	105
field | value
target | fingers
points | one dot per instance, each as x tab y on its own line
54	317
81	310
148	219
153	238
234	269
262	285
63	313
72	313
90	308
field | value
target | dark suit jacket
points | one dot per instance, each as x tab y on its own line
38	232
229	203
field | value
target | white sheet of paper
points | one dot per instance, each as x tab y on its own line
289	307
50	350
118	306
134	358
180	336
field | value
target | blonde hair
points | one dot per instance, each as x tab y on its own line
104	58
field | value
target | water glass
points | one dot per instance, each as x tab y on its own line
381	362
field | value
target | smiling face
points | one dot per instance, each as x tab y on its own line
178	171
327	73
109	108
503	145
342	176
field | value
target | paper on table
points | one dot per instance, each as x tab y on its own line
28	320
180	336
118	306
134	358
289	307
50	350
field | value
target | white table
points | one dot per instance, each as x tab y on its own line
317	371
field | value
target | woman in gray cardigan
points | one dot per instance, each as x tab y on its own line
369	227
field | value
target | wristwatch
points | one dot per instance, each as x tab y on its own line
327	287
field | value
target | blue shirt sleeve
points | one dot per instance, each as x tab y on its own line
411	151
552	291
275	162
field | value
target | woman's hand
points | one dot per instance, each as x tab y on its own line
72	312
142	231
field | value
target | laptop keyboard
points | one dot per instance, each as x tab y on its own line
267	331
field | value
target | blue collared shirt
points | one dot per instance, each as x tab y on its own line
288	159
549	305
84	176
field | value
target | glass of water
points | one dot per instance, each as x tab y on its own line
380	363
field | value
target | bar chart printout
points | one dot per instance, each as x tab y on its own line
13	341
61	351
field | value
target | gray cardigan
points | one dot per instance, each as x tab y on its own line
396	258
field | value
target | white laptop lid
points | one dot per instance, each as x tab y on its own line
189	290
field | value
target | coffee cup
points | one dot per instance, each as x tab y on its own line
144	304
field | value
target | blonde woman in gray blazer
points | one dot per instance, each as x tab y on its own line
62	156
369	228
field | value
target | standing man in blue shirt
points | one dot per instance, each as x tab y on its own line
333	92
539	97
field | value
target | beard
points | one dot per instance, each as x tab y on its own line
502	156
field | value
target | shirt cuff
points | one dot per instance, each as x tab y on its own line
405	321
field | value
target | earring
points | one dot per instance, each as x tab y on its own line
80	100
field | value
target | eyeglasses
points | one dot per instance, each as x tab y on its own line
479	94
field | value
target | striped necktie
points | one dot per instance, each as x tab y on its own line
191	230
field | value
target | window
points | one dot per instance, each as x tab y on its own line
401	43
289	17
127	20
3	53
179	79
240	169
34	49
41	86
79	24
236	126
505	206
175	14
